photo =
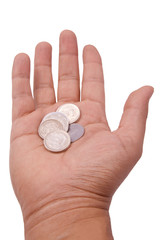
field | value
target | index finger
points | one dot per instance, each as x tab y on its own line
93	80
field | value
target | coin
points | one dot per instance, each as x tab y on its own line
75	131
57	141
49	125
71	111
59	117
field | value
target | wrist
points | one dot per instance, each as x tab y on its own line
80	224
79	218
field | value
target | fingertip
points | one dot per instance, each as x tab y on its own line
21	65
146	90
43	53
21	57
90	47
67	34
68	43
149	89
91	54
43	45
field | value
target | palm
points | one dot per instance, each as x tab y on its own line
95	164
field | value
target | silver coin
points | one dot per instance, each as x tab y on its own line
48	126
57	141
71	111
59	117
75	131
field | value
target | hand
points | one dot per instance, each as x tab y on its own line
86	175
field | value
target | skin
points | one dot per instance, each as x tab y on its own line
64	195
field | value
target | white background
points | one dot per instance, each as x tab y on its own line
128	35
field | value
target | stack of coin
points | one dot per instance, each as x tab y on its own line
58	128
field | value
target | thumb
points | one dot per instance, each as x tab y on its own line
133	122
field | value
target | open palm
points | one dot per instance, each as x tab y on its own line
94	166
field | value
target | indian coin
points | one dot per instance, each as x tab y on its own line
49	125
59	117
71	111
57	141
75	131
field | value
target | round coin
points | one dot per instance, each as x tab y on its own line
57	141
71	111
76	131
59	117
48	126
